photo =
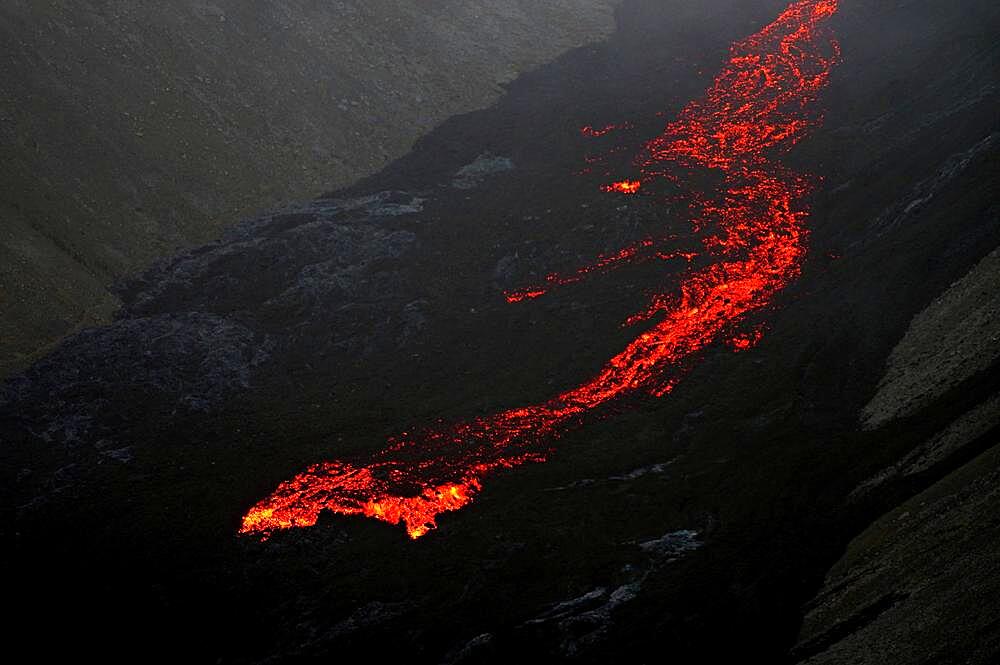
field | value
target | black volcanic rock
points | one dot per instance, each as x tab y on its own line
319	274
133	131
327	327
919	584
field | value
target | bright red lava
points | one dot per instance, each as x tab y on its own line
762	102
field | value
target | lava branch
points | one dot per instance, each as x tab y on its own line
762	102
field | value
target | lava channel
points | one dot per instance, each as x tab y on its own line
762	103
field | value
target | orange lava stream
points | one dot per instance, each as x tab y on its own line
761	102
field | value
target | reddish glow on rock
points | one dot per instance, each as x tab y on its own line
641	251
593	132
760	103
526	294
624	187
746	341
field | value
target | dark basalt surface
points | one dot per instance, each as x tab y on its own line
696	527
134	130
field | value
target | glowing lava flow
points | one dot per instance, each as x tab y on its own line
761	102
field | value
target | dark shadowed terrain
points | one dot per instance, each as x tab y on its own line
134	129
828	496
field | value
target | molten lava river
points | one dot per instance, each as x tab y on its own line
760	105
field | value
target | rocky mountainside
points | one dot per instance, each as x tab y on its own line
825	496
133	129
917	586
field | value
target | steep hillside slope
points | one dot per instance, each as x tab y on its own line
131	129
919	584
823	491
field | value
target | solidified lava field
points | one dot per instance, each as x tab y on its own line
701	270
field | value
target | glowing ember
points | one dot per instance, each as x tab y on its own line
624	187
760	102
